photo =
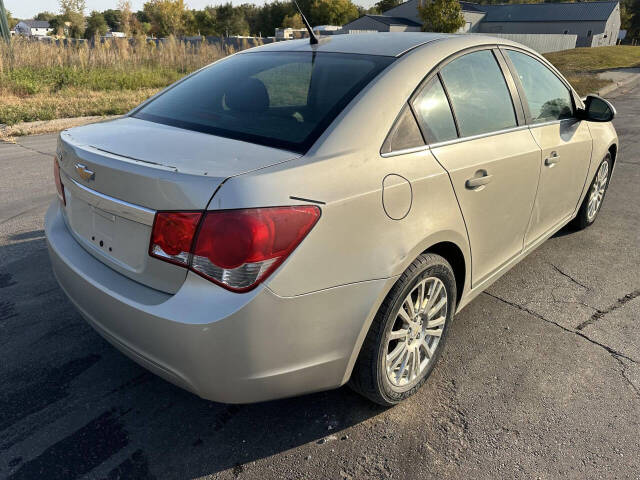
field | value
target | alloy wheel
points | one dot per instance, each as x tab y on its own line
416	333
598	189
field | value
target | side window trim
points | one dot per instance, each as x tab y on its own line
520	106
433	75
453	110
523	96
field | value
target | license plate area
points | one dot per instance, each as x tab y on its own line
107	235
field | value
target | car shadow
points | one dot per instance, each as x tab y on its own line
101	412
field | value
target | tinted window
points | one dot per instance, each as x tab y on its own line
548	98
479	94
280	99
434	114
404	134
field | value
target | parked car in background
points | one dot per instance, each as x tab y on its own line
295	217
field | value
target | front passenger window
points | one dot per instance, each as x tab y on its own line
548	98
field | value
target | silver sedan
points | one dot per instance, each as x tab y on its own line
295	217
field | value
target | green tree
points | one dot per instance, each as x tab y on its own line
332	12
12	21
626	16
72	13
166	16
45	16
441	16
384	5
205	21
293	21
113	17
96	25
231	21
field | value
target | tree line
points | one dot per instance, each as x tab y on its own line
162	18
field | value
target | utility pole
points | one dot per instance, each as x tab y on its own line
4	24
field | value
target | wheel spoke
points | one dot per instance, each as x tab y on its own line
421	294
403	366
415	368
436	322
426	347
395	355
433	332
402	313
398	334
433	295
438	306
409	303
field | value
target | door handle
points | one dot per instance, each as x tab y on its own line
476	182
552	160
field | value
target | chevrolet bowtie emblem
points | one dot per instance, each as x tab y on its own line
84	172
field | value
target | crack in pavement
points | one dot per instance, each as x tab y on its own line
601	313
626	377
568	330
557	269
47	154
617	356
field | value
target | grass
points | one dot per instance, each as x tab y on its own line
582	65
43	81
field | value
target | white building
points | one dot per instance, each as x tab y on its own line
33	28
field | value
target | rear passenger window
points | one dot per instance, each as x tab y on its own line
479	94
548	98
434	114
404	134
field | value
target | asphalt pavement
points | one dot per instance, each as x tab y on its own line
540	377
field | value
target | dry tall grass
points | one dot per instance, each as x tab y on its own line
115	54
41	80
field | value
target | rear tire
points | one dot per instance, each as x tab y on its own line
594	198
408	332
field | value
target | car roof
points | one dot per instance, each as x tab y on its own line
390	44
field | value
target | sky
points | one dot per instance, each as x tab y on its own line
28	8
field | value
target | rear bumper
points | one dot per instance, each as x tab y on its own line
223	346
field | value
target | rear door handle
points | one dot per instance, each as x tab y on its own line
552	160
476	182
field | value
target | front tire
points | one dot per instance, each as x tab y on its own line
407	335
594	198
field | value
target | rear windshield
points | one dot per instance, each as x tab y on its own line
280	99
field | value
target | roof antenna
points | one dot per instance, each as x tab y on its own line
313	40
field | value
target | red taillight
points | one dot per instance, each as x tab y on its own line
59	186
172	236
236	249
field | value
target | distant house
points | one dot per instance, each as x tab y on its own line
115	35
288	33
471	12
382	23
33	28
594	23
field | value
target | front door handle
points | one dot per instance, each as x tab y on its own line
476	182
552	160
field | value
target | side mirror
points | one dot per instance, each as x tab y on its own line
597	109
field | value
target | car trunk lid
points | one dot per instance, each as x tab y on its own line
118	174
